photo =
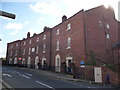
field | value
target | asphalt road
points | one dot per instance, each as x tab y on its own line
21	78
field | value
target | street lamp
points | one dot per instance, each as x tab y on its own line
6	14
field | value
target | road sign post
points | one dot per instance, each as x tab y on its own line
6	14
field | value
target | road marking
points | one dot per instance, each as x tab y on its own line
81	85
28	74
24	76
89	87
45	85
7	75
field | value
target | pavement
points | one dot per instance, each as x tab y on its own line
56	75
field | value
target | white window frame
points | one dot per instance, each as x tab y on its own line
68	43
37	39
57	32
100	23
33	49
108	26
23	51
16	44
16	53
12	46
68	26
30	41
29	51
44	37
44	48
11	53
108	36
37	49
57	45
24	43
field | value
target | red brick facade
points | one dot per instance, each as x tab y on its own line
87	37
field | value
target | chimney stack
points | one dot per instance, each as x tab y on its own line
28	35
46	28
64	18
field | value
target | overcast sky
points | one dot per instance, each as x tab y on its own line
33	16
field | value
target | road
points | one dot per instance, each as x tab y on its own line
22	78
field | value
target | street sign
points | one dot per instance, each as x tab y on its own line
82	62
19	58
82	66
6	14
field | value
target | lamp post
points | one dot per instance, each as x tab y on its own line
6	14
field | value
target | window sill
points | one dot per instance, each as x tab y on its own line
36	52
68	47
68	30
43	51
57	50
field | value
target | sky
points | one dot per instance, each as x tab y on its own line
33	15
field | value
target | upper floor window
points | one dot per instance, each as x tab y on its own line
100	23
24	43
12	46
16	44
11	53
44	37
68	42
108	36
29	50
57	46
57	32
23	51
44	48
30	41
37	48
33	49
37	39
16	53
69	26
107	26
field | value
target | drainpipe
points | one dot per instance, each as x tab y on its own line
85	34
50	61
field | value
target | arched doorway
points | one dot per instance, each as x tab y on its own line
44	64
28	62
57	63
69	60
36	62
10	61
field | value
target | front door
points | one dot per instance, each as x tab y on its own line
57	63
44	63
69	68
28	62
36	62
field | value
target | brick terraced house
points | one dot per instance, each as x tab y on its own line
88	37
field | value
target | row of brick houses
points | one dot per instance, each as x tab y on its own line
88	37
